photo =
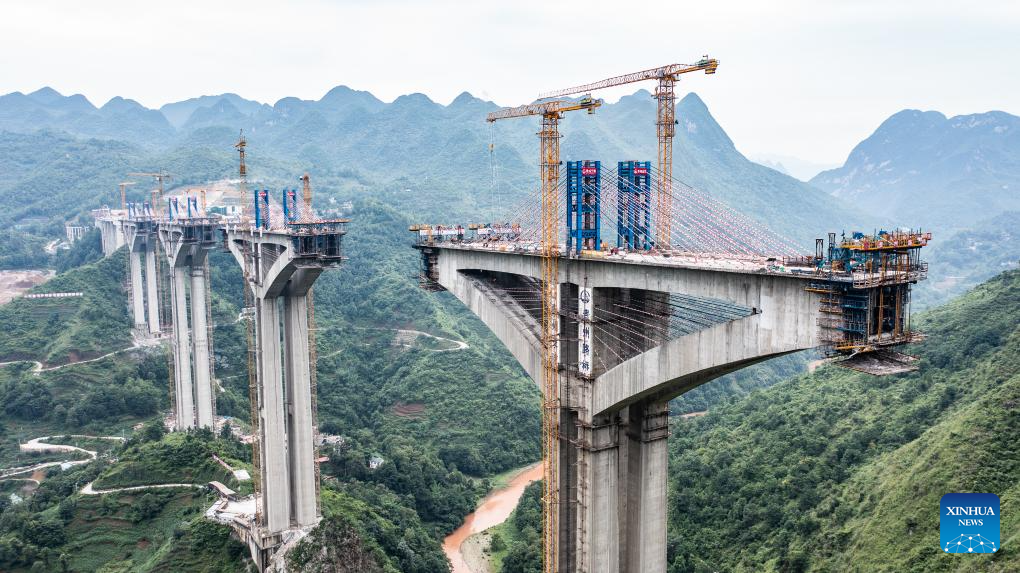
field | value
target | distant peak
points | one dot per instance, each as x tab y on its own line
46	95
465	97
415	98
692	101
120	103
344	93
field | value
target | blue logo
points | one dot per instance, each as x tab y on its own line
969	523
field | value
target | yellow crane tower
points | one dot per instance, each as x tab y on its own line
665	125
242	168
123	193
549	165
157	194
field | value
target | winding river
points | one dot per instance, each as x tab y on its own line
494	509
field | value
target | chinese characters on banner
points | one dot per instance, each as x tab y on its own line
584	316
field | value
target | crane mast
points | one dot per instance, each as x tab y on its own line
306	193
123	192
665	126
549	169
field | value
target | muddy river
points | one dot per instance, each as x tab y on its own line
494	509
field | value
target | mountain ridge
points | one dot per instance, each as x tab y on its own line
964	168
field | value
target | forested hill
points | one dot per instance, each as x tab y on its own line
439	155
839	471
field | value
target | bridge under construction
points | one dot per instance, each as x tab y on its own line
618	288
282	247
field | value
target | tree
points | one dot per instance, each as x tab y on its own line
333	547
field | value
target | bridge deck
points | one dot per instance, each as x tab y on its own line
700	261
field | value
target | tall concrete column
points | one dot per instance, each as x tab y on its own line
645	487
200	349
603	542
137	296
152	293
186	414
176	353
299	398
276	482
104	238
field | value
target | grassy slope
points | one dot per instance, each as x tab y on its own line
57	331
788	478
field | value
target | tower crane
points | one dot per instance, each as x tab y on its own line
157	195
123	193
549	165
306	194
242	168
665	124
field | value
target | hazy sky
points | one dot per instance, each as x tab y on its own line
806	78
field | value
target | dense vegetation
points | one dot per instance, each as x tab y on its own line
517	544
58	529
60	330
838	468
966	259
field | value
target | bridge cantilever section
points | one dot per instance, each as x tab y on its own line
632	335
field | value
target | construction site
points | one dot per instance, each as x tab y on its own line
281	247
618	287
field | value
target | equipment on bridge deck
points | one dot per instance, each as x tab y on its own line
584	206
261	199
549	164
161	177
634	205
665	125
865	286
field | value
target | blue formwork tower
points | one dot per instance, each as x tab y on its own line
584	203
634	209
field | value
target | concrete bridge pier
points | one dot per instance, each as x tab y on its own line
183	386
643	485
151	288
186	243
110	233
137	292
140	236
280	267
204	398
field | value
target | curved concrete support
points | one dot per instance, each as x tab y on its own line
684	363
613	454
514	328
279	278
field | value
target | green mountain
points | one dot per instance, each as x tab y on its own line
839	471
440	154
923	168
961	261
